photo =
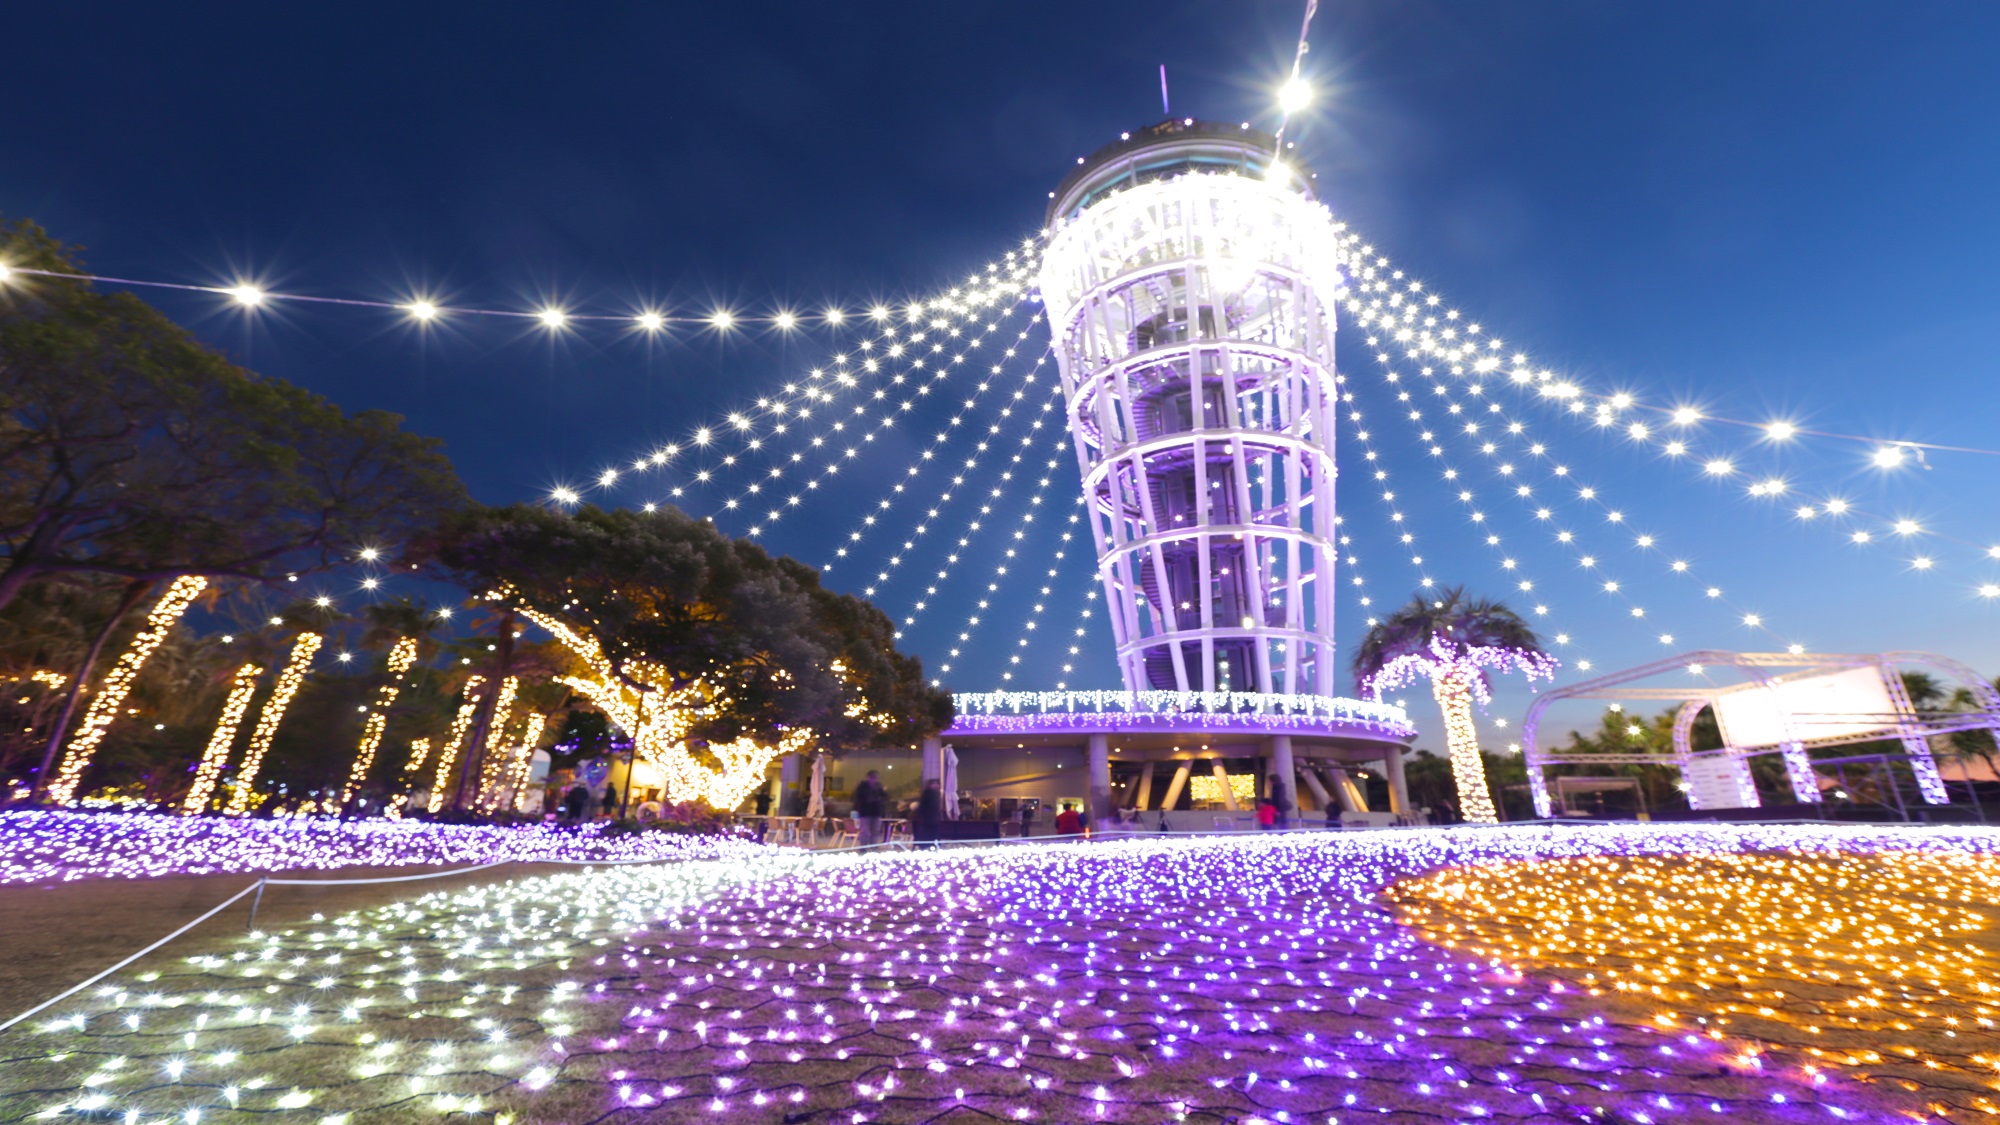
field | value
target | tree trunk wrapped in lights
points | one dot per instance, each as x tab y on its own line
116	686
1454	640
400	659
461	726
491	766
710	653
1452	688
216	756
516	780
657	714
269	718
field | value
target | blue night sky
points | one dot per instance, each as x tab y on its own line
1772	211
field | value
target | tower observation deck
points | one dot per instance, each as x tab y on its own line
1188	287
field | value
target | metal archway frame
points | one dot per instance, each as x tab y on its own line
1764	669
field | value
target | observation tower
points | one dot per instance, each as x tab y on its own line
1189	280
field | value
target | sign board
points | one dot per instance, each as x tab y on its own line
1712	783
1841	704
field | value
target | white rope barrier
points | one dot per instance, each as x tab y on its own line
74	989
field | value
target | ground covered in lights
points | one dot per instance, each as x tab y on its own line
40	846
1640	974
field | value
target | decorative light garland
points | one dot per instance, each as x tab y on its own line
420	752
523	761
492	763
961	473
818	391
216	756
1205	787
425	310
1458	676
401	657
461	726
289	680
891	414
1416	324
1541	510
110	697
642	699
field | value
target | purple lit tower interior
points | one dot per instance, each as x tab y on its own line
1188	279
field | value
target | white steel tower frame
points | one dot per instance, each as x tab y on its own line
1183	284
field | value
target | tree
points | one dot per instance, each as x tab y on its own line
128	449
1453	640
1977	742
711	654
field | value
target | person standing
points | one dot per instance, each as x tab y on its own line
1068	823
763	807
1281	803
1027	818
929	820
871	801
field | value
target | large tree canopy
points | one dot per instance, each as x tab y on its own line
127	448
670	592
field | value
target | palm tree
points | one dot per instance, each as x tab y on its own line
1454	640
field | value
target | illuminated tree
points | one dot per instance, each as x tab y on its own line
707	651
1455	641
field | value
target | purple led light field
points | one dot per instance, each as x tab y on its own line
1228	979
40	846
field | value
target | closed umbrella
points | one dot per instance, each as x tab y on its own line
816	796
950	785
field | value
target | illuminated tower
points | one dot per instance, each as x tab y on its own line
1189	287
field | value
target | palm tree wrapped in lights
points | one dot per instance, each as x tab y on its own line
1456	641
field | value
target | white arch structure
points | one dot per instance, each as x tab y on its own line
1721	778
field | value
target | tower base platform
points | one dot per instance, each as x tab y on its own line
1191	755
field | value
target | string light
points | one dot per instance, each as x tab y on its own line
648	703
401	656
493	764
1401	316
216	755
1457	672
1423	331
891	413
417	308
110	699
962	472
461	725
289	680
420	752
523	760
815	395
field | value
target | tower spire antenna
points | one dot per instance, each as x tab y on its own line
1166	108
1298	65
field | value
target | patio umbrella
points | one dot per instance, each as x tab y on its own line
816	796
950	785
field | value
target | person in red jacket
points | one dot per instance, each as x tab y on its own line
1267	815
1068	823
